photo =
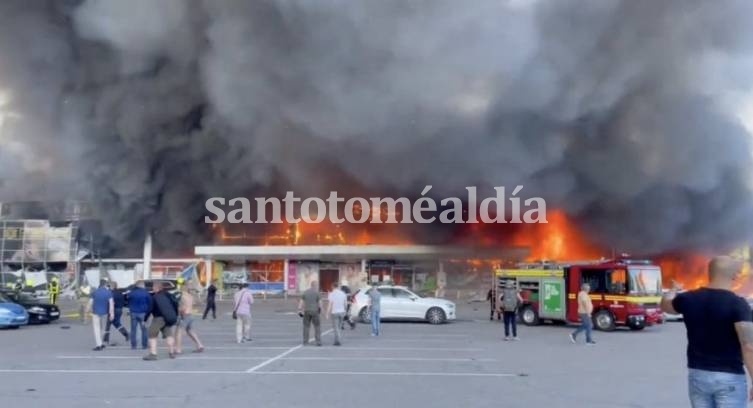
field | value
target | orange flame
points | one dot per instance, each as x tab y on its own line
558	240
688	270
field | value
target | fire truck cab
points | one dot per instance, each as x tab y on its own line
624	292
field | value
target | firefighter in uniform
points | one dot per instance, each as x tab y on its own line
54	289
82	295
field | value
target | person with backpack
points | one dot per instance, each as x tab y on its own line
164	318
510	300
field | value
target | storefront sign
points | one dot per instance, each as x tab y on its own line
292	277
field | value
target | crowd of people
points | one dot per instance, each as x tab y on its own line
162	313
151	314
506	307
719	323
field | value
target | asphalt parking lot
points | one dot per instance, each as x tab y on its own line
461	364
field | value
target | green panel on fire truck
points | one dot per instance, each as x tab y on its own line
552	299
624	292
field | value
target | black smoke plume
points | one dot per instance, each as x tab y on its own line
628	115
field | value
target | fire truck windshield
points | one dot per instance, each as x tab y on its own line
645	280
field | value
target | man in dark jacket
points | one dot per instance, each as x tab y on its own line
211	295
119	302
140	305
164	318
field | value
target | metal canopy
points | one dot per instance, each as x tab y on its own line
351	253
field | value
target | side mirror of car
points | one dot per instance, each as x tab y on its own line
414	298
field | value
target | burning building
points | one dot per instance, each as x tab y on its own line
634	130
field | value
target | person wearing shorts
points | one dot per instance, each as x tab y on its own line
164	319
159	326
185	323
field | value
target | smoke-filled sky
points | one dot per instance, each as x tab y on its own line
626	114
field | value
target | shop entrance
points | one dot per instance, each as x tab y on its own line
380	272
402	275
327	278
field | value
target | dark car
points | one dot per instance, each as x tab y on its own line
39	312
171	285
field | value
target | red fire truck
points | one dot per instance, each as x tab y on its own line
624	292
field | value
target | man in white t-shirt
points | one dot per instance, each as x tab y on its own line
338	301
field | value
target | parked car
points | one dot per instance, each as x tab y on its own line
39	312
399	303
12	315
171	285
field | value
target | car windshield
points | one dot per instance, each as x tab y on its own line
403	293
645	280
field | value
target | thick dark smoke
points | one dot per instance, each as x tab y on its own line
624	113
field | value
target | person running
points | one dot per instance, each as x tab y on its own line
164	318
185	311
211	302
510	300
119	302
140	305
720	337
243	301
491	297
375	306
310	308
336	306
585	309
103	309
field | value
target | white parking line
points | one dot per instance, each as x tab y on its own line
351	373
388	373
42	371
273	359
453	360
240	358
423	336
424	340
181	358
231	333
403	348
256	339
214	348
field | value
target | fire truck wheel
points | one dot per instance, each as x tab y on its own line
436	315
529	316
364	315
604	320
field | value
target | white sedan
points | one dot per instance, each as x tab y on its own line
399	303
